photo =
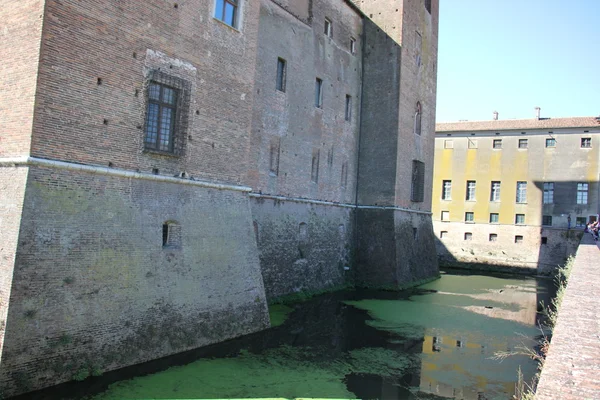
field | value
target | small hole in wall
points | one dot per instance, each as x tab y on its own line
110	165
134	54
105	122
99	81
137	93
155	171
170	67
139	127
175	5
197	112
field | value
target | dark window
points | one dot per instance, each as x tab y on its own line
274	157
468	236
428	6
519	219
493	218
550	142
171	234
522	143
417	191
443	234
352	45
544	240
319	93
328	28
580	221
281	72
161	115
344	180
415	233
227	11
417	127
314	171
547	220
518	239
497	143
548	192
348	107
493	237
586	143
469	216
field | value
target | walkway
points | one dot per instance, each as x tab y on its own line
572	368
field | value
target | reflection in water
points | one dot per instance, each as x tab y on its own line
432	342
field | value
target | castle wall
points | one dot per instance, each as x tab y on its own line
97	285
12	192
20	37
303	247
96	61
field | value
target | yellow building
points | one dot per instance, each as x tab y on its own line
514	193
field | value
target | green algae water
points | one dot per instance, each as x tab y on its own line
432	342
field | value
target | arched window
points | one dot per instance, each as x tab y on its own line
418	119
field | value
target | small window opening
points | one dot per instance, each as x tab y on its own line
443	234
415	233
493	237
518	239
586	143
468	236
417	122
352	45
348	113
544	240
281	72
319	93
171	235
328	28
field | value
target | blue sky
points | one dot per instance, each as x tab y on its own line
513	55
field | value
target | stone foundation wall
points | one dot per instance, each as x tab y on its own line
98	284
302	246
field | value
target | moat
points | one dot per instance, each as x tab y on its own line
432	342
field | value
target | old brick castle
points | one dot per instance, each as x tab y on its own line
167	167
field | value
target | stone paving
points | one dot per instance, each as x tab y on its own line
572	368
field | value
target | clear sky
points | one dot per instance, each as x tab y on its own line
513	55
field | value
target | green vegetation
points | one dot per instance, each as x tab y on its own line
561	278
284	372
278	313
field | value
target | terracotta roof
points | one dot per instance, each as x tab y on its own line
519	124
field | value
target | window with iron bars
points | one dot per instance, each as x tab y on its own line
167	106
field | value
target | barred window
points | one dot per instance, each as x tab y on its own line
547	220
418	181
167	103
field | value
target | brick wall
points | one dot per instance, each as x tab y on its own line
94	288
82	119
20	34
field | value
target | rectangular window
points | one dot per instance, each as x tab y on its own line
274	157
494	218
281	72
446	190
497	144
314	170
161	113
319	93
520	219
445	215
328	28
544	240
582	193
586	143
521	192
348	107
226	11
469	216
547	220
417	190
493	237
550	142
522	143
472	143
418	48
448	144
352	45
580	221
470	190
518	239
495	193
443	234
548	192
468	236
